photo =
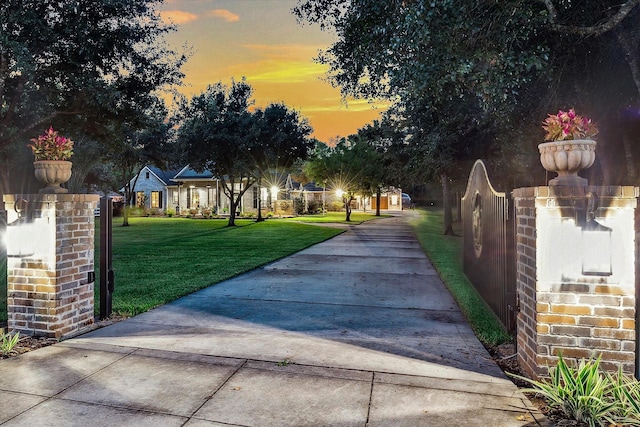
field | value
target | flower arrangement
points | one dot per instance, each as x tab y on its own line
568	125
51	146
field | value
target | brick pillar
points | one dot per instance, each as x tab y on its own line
50	246
575	277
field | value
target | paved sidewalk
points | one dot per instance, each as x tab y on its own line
355	331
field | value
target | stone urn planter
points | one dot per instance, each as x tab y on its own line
567	158
53	173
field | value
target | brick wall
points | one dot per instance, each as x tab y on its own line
50	250
575	284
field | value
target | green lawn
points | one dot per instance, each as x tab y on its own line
157	260
445	253
338	217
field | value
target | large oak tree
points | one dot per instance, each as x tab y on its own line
219	133
83	66
459	72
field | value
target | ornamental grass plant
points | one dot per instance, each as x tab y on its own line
586	394
7	342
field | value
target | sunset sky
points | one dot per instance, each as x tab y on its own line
262	41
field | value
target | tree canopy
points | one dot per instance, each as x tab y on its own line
473	79
82	66
219	133
352	167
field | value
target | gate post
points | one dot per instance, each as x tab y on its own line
50	271
576	276
106	257
3	260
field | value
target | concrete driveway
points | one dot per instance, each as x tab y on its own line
356	331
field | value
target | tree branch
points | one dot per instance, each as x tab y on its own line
4	141
594	30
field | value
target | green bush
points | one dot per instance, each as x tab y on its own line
587	395
137	211
170	212
298	206
8	341
314	207
336	206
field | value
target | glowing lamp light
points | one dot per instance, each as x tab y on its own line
339	193
274	192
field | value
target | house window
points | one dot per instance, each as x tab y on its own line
175	197
140	199
255	197
156	199
146	175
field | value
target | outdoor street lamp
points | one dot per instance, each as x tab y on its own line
274	197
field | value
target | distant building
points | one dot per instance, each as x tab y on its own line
187	191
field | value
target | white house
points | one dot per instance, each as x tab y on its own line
187	191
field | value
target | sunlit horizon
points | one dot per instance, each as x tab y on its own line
261	41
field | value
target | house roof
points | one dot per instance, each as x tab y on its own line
188	174
309	186
164	176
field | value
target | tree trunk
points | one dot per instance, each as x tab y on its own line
378	196
347	208
260	218
127	204
233	205
125	216
446	204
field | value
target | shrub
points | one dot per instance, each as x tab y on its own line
335	206
137	211
587	395
314	207
170	212
8	341
298	206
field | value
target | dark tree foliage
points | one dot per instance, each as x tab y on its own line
219	133
83	66
137	147
284	142
352	167
476	78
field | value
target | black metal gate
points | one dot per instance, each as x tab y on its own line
3	264
488	234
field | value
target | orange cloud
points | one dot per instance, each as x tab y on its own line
177	17
224	14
